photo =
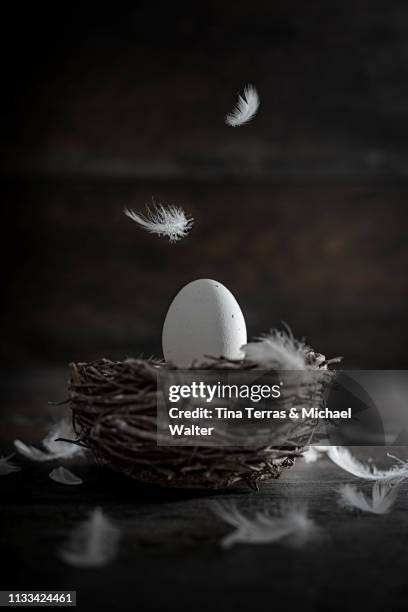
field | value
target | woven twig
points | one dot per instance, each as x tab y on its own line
114	405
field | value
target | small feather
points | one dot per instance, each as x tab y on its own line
313	453
93	543
290	524
64	476
342	457
383	496
169	221
31	452
54	449
7	467
279	349
246	108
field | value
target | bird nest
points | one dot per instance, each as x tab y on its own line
114	406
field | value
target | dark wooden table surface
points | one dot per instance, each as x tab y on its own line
170	555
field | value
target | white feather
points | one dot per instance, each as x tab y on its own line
245	109
64	476
54	448
291	524
313	453
63	450
279	349
169	221
7	467
383	496
31	452
93	543
342	457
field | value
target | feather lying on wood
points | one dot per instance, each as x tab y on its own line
64	476
342	457
383	496
291	524
31	452
7	467
279	349
169	221
55	449
54	443
245	109
93	543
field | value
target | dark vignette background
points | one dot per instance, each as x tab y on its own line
303	215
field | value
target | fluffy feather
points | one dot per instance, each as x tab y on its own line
245	109
54	449
7	467
342	457
64	476
93	543
313	453
290	524
169	221
278	349
383	496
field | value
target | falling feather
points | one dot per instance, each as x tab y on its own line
93	543
245	109
383	496
342	457
7	467
54	448
64	476
290	524
169	221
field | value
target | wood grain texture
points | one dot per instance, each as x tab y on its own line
170	555
330	260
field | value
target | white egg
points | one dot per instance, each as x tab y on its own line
203	319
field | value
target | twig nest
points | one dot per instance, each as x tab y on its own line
114	405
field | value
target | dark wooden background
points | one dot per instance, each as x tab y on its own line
302	214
